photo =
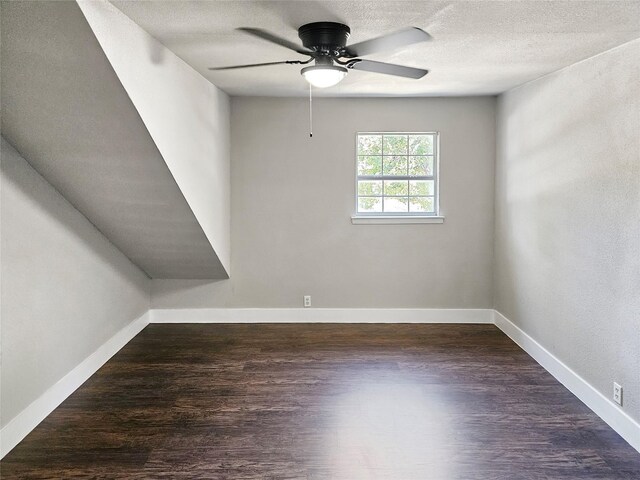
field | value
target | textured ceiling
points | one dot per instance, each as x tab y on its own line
479	47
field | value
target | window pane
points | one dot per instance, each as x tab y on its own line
396	187
421	145
395	204
421	166
396	173
421	187
369	144
421	204
370	187
395	166
369	204
369	165
395	145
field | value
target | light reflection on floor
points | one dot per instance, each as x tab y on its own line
388	430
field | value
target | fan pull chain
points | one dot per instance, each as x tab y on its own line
310	114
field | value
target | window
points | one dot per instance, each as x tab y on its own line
397	174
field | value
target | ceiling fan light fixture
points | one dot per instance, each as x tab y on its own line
323	76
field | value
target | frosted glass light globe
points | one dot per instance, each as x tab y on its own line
323	76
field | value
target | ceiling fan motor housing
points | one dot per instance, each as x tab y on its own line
328	37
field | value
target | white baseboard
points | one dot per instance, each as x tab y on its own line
606	409
29	418
322	315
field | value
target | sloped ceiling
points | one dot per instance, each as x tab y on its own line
65	111
479	47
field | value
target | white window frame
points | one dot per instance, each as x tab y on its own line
400	217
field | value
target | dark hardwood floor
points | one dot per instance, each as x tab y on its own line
322	401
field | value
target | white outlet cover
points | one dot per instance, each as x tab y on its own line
617	393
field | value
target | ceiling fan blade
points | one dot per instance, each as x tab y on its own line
387	68
270	37
250	65
392	41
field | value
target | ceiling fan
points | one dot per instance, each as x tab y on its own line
326	44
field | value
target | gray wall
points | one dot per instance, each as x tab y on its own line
292	198
568	217
187	116
65	288
66	111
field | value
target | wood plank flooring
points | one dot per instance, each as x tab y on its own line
322	401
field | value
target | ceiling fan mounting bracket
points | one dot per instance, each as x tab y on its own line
347	63
325	38
297	62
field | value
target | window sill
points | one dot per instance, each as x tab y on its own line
388	220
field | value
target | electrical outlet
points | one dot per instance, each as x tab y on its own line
307	301
617	393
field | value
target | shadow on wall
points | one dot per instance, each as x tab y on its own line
544	137
190	293
548	186
29	183
156	51
567	204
